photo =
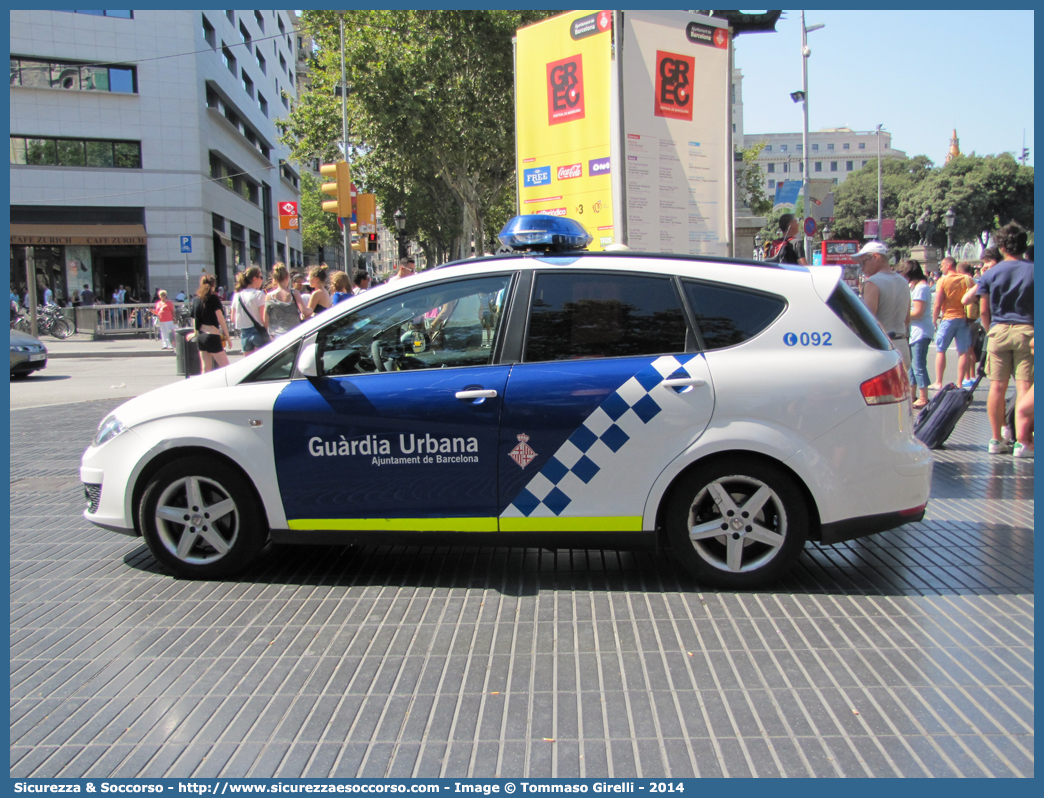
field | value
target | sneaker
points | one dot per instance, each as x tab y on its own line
999	447
968	384
1022	451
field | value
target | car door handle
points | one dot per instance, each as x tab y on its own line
477	394
685	382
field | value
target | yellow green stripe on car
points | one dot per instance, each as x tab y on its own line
620	523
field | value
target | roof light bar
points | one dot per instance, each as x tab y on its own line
544	233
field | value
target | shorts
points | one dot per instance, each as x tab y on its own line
948	330
252	339
209	343
1009	348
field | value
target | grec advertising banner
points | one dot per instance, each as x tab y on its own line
675	118
562	122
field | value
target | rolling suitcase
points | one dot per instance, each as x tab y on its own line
935	423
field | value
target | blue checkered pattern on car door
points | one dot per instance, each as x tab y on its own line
602	436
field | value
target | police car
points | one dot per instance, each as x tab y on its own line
551	396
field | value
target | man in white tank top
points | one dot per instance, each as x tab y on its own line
887	295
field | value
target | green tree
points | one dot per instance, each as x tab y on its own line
430	103
750	181
985	192
855	200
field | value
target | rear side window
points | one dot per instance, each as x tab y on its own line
857	317
726	315
603	315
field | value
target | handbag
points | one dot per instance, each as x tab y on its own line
261	331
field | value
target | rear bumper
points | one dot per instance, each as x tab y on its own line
851	528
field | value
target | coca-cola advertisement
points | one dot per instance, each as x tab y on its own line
571	171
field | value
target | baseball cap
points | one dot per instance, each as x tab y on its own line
872	248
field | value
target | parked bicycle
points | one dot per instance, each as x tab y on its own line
49	319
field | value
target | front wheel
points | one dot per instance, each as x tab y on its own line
62	328
737	523
201	520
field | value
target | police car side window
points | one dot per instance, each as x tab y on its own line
603	315
436	326
726	315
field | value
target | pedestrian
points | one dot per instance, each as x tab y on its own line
164	313
319	300
921	330
180	297
975	330
361	281
248	309
951	324
86	296
48	296
1006	303
211	329
793	250
407	266
886	295
340	287
284	307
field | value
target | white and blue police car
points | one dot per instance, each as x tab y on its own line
728	410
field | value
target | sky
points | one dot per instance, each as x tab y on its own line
920	74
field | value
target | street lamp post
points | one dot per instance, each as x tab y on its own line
805	53
757	246
400	227
880	235
950	218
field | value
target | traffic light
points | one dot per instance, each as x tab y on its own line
341	189
1025	155
371	242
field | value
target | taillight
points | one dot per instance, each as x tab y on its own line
887	388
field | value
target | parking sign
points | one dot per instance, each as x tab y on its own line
186	244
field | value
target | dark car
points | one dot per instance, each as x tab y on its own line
28	354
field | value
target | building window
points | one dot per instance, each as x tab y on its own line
260	20
835	181
768	148
255	247
208	32
231	16
833	166
282	63
117	14
772	184
733	124
786	168
771	168
801	166
862	145
819	166
232	178
830	146
864	163
286	101
228	58
218	222
846	146
245	35
848	166
73	77
782	147
799	146
262	103
815	148
97	153
279	20
733	93
300	44
248	84
261	62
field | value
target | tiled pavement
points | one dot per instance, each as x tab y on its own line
909	653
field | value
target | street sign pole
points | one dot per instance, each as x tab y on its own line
186	277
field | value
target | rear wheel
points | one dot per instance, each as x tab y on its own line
737	523
201	520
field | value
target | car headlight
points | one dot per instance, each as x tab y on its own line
107	430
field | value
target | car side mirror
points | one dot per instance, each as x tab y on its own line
307	360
